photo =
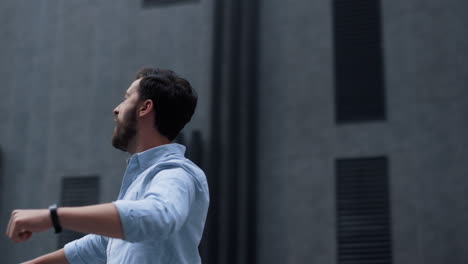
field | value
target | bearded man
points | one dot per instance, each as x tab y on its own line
161	209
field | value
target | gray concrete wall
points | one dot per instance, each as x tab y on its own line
65	66
426	58
296	205
424	136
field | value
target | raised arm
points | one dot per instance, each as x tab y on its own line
102	219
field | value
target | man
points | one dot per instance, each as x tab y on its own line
163	201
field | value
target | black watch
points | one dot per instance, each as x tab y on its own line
54	218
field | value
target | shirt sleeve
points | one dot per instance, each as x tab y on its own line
88	249
163	209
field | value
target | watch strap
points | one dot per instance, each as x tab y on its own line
54	218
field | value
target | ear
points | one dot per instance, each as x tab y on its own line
145	108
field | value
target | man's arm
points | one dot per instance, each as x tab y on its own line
102	219
57	257
162	211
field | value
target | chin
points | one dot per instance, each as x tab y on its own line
115	141
116	145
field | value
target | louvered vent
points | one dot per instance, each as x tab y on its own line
77	191
359	81
152	3
363	211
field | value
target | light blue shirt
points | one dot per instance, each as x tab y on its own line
163	203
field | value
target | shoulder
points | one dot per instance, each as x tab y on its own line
183	168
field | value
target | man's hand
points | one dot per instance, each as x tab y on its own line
25	222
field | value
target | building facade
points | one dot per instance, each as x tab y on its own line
330	131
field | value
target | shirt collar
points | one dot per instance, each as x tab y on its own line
154	155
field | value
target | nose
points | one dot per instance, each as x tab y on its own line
116	111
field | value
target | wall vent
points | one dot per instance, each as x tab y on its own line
156	3
77	191
359	80
363	211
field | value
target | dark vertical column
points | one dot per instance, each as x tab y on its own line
1	181
233	142
248	86
211	237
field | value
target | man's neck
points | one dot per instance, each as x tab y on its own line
143	143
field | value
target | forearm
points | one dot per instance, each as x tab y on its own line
102	219
57	257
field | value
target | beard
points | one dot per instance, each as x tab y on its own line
125	130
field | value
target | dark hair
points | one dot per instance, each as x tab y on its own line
173	98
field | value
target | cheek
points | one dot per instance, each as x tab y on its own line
125	113
123	108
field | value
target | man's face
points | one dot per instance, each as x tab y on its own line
125	116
